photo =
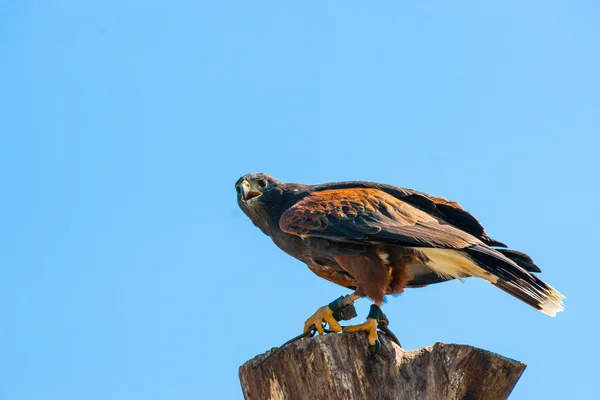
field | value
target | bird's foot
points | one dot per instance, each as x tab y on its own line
370	326
322	315
339	309
375	317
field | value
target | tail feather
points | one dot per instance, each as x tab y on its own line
516	280
548	300
521	259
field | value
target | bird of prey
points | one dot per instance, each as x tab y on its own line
380	239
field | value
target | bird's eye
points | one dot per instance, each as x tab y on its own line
261	183
238	189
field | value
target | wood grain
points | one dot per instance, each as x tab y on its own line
339	366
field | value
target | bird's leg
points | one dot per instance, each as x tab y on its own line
340	309
370	326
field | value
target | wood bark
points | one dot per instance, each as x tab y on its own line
339	366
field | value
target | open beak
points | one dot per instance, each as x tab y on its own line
249	192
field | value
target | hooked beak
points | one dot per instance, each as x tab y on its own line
249	192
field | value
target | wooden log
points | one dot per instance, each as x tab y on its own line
339	366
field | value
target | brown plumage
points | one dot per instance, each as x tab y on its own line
379	239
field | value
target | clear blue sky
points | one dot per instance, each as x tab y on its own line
128	271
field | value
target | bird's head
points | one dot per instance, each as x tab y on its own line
257	189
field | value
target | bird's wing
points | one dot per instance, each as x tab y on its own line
368	214
440	207
453	213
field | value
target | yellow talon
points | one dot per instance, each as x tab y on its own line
370	326
323	314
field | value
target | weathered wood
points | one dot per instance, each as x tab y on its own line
340	367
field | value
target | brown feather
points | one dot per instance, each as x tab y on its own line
370	214
372	275
341	278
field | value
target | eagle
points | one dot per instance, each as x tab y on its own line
378	240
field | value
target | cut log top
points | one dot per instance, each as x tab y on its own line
339	366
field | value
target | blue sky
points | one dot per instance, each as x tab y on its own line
128	270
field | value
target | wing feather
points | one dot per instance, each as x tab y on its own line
370	215
447	210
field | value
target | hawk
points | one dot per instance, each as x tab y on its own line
379	239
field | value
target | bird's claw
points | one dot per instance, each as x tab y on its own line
383	327
375	348
375	320
322	315
369	326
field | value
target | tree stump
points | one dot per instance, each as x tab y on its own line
339	366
